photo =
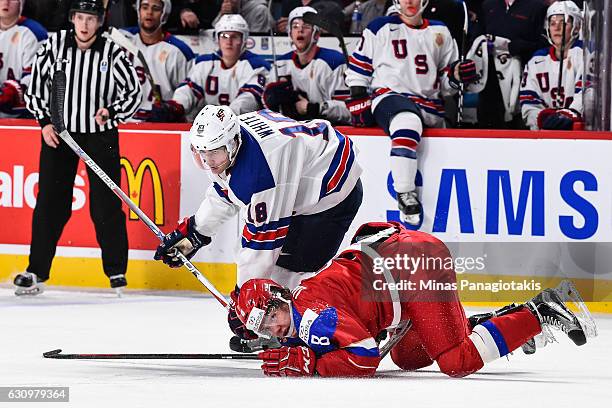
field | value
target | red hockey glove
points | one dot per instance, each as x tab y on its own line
558	119
234	322
288	362
361	111
167	111
185	239
10	94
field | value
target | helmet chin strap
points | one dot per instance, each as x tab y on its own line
310	44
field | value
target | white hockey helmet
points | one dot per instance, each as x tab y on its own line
165	13
391	10
233	22
299	12
568	9
396	3
214	127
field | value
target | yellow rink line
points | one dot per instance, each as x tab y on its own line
152	275
141	274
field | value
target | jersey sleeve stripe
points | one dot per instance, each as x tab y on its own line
222	192
267	236
364	65
338	171
363	352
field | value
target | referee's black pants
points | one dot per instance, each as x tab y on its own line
57	170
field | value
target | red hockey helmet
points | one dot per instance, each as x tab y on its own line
256	295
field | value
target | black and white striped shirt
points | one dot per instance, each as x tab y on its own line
100	77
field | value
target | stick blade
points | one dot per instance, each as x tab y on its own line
52	354
323	23
58	93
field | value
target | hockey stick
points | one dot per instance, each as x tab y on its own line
57	354
401	330
116	36
333	29
272	43
462	56
58	93
560	96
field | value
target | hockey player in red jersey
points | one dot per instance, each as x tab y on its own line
409	63
330	323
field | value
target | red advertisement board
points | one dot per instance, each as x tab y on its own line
150	176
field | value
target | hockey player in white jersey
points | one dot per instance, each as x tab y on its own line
311	78
168	58
408	63
295	184
546	103
230	76
20	38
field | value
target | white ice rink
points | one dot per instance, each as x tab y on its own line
560	375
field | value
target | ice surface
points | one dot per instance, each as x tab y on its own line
561	375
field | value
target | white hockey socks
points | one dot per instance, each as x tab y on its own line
405	131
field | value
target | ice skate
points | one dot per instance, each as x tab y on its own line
28	284
551	311
411	211
118	282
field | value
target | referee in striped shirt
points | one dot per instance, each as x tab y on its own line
102	90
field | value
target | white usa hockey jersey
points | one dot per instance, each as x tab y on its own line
283	168
169	61
393	57
322	80
540	86
18	47
240	86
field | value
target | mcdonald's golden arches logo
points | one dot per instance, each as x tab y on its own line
134	180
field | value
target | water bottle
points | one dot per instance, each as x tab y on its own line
356	19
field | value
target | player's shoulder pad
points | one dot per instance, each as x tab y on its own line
317	329
577	44
207	57
35	27
436	23
256	61
131	30
251	174
542	52
333	58
181	45
379	22
286	57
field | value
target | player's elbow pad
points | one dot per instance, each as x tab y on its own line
341	363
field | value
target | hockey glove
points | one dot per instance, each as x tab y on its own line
280	95
185	239
235	324
463	72
167	111
361	111
11	95
558	119
288	362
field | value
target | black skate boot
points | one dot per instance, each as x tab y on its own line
118	282
551	311
410	208
28	284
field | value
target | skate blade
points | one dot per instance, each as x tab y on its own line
29	291
568	293
119	292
